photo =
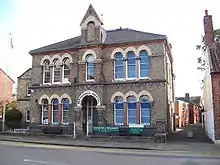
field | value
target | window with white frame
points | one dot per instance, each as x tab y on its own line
90	67
66	69
119	66
56	71
131	102
55	111
28	90
44	108
144	64
46	71
131	65
118	110
145	110
27	116
65	110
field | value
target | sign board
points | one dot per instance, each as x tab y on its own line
105	130
135	130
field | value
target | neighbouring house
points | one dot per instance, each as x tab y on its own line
6	86
188	110
119	77
211	94
23	94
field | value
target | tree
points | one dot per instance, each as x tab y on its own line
201	60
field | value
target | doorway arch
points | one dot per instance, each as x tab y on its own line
88	93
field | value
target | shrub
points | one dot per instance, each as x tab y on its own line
13	118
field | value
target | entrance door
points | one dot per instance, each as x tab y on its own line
89	113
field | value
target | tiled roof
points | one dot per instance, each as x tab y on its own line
118	36
214	52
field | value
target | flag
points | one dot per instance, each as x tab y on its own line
11	42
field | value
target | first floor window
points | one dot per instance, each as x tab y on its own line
131	102
119	110
65	110
27	116
90	67
145	110
131	65
55	111
119	66
44	111
46	71
56	71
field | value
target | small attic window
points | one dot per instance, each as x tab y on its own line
91	31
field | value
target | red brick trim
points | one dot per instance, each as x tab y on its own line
49	113
125	113
138	112
60	113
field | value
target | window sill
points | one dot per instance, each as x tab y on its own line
141	78
90	81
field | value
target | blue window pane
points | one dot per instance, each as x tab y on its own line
145	112
118	99
119	69
131	112
119	75
145	120
119	113
145	105
131	99
132	120
119	62
131	105
119	106
143	67
119	120
144	73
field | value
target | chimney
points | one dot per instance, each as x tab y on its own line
208	29
187	96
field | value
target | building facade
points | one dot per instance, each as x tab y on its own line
23	94
5	82
211	92
116	77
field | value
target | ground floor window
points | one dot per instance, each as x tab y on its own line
44	111
27	116
132	110
65	111
144	110
119	110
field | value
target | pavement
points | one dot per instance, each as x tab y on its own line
135	144
12	153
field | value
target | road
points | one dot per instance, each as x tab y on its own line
32	154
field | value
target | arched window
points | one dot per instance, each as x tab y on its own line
91	31
119	66
56	71
55	111
44	107
46	71
144	64
131	65
66	69
131	101
119	110
90	67
65	110
145	110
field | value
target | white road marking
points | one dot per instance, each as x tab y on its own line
43	162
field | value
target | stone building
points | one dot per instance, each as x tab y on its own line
103	77
23	94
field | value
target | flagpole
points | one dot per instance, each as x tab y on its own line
5	87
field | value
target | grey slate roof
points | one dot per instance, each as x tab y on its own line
118	36
192	99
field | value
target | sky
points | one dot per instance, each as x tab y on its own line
36	23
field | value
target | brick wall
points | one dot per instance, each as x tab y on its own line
216	103
9	97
